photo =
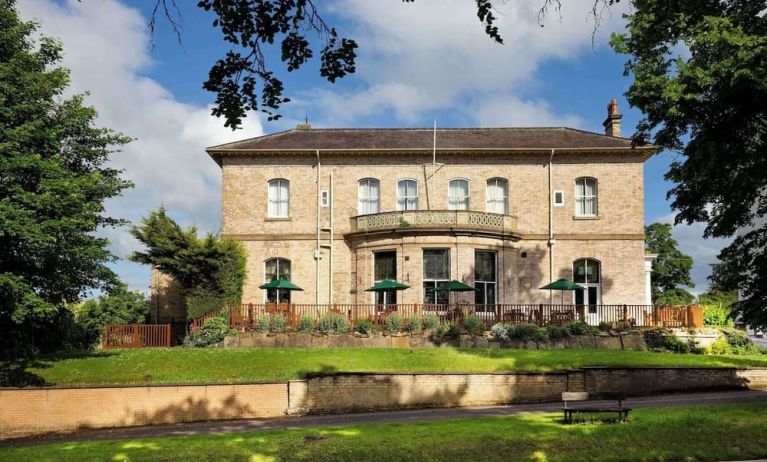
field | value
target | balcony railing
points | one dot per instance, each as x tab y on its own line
623	316
405	220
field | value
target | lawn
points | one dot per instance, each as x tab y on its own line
218	365
699	433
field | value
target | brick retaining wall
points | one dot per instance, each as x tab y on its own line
37	410
27	411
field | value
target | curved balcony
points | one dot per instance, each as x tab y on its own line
434	222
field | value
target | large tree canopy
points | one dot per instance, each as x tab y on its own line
700	78
53	184
671	269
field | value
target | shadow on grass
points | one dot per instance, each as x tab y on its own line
17	373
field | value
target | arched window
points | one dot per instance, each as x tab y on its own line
458	194
279	198
587	272
368	196
586	197
274	270
497	196
407	195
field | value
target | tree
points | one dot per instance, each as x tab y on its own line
700	80
250	26
119	306
671	269
53	184
210	271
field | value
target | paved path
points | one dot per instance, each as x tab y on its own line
237	426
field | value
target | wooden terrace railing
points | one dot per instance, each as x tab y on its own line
245	316
135	335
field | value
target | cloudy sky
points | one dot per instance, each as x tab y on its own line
416	62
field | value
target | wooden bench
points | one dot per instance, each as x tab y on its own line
579	396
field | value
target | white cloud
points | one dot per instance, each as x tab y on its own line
433	55
702	250
106	49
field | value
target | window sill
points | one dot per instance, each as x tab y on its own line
277	219
595	217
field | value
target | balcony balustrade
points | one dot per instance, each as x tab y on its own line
426	220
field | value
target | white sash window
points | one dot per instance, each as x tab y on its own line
458	195
368	196
497	196
586	197
279	198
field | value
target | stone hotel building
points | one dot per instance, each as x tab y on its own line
506	210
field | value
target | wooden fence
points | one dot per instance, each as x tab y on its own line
135	335
246	316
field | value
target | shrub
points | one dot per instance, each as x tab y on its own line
262	325
120	306
201	301
500	331
526	332
278	323
334	322
605	326
450	330
414	324
430	322
657	339
555	332
580	328
213	331
305	323
474	325
364	326
394	323
733	342
717	316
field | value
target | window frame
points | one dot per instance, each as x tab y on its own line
391	298
360	199
279	200
279	261
407	198
435	282
505	182
468	193
578	198
554	201
592	307
484	284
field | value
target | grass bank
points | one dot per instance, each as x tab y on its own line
698	433
219	365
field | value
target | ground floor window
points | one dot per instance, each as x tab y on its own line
436	270
275	269
588	273
485	279
385	267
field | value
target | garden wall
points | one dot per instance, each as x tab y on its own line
301	340
37	410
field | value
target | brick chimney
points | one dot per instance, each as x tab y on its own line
612	123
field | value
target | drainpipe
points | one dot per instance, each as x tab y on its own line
551	228
317	251
330	250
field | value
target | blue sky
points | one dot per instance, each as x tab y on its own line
416	62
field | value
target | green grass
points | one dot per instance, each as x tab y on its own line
698	433
218	365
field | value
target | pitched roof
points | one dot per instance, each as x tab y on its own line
421	139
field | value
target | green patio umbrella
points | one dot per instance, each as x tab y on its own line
454	286
280	284
387	285
562	285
